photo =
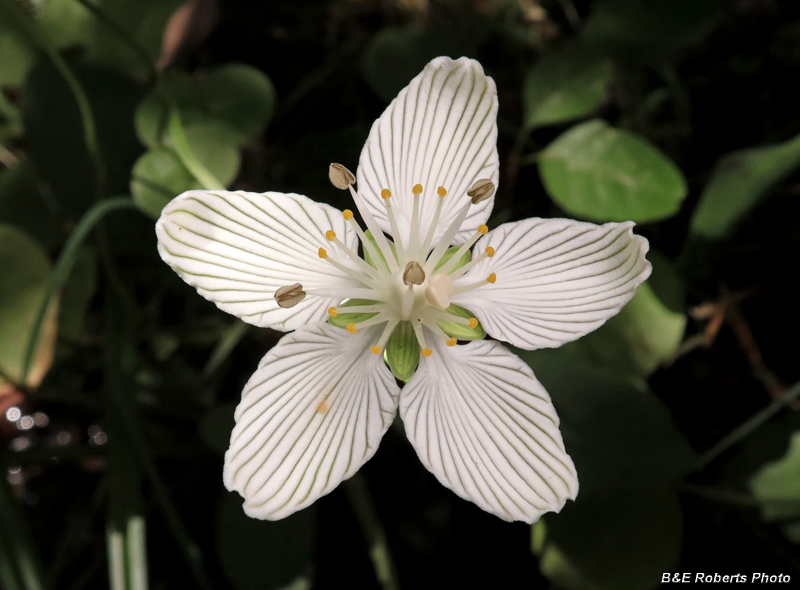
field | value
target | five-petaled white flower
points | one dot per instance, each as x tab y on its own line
322	398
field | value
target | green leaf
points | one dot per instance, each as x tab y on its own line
23	281
214	145
606	174
643	335
618	435
620	540
241	96
738	182
17	58
235	97
647	28
565	85
460	331
776	486
396	55
264	555
402	352
157	178
55	133
23	206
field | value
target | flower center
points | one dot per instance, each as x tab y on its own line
409	279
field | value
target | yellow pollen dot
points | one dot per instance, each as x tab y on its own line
483	229
323	253
417	189
473	323
330	234
376	349
489	251
332	312
386	193
427	352
347	214
452	341
441	191
491	278
351	328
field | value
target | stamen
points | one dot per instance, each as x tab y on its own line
398	242
417	325
435	221
426	352
376	231
376	349
341	177
473	323
447	239
352	273
413	274
373	272
438	292
464	288
351	327
387	332
332	312
488	253
323	253
367	243
413	242
290	295
481	190
482	231
330	235
452	342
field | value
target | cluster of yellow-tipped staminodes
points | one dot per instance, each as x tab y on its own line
409	279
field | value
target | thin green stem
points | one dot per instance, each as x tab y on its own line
749	426
186	155
64	266
362	505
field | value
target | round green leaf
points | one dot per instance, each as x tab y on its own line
215	145
645	333
605	174
565	85
26	268
157	178
617	434
260	554
396	55
241	96
621	540
776	485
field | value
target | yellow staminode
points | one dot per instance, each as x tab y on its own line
473	323
386	193
489	251
491	278
427	352
483	229
330	234
376	349
452	341
347	214
352	328
332	312
441	191
323	253
417	189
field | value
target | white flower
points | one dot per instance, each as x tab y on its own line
320	401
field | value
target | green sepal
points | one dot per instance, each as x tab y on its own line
402	352
460	331
341	320
449	253
368	258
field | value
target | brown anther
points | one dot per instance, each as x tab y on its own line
413	274
341	177
481	190
290	295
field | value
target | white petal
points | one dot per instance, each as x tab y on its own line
441	130
310	416
485	427
557	279
238	248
